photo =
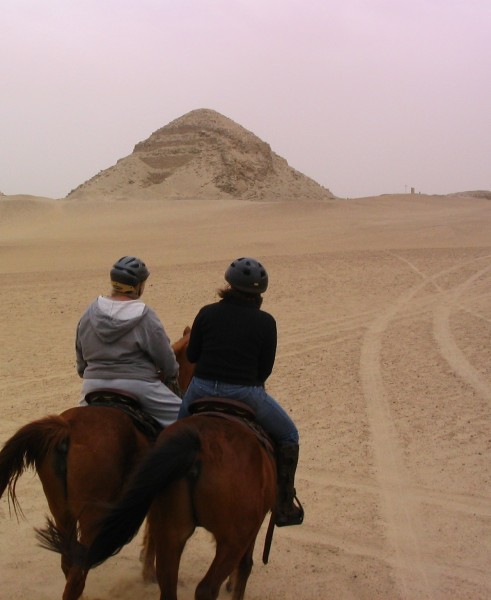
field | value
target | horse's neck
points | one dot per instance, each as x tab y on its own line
186	369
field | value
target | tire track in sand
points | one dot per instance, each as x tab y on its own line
403	530
447	344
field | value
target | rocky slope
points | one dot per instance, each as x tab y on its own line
202	154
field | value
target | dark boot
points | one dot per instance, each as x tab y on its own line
287	512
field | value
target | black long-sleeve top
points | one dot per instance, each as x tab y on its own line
233	341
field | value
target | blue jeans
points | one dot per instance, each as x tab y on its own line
269	414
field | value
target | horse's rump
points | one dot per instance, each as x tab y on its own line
104	445
232	455
68	463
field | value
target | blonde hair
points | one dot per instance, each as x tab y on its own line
124	289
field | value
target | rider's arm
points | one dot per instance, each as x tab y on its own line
81	363
268	349
193	351
158	346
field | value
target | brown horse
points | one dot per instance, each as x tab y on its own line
82	457
207	471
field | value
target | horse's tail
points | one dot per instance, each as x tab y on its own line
171	459
28	448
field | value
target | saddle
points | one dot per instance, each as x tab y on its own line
234	410
129	405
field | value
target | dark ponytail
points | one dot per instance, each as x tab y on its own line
230	292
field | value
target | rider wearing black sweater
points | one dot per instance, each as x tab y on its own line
233	345
233	341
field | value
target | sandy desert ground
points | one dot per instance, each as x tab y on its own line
384	316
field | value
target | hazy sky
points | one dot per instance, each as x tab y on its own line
365	96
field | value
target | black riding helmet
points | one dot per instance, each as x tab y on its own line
247	275
129	270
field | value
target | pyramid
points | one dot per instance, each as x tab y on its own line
202	155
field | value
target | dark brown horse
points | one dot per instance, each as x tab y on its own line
82	457
207	471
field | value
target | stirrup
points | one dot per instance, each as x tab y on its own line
291	518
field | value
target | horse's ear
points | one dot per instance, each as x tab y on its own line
187	329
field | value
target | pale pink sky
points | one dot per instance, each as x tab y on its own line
365	96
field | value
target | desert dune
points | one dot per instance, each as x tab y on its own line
384	323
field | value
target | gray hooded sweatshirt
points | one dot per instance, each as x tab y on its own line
123	340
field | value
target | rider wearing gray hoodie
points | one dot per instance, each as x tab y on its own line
122	345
